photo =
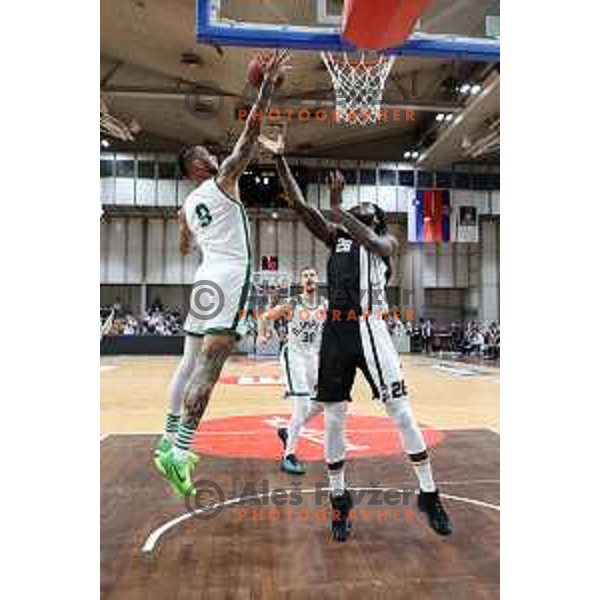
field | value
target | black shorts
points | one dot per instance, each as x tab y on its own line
364	344
341	354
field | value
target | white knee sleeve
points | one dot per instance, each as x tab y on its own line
335	431
412	437
184	371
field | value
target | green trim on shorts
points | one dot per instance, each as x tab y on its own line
246	286
214	331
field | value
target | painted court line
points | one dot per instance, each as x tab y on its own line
156	534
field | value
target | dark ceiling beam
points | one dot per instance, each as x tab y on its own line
176	79
424	105
111	71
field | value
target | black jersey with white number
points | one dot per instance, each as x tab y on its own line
356	277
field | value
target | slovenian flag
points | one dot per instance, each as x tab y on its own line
429	216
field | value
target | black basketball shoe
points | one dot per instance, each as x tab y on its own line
282	434
431	505
340	527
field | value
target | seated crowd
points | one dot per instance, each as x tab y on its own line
471	338
158	320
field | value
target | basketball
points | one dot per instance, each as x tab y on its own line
256	72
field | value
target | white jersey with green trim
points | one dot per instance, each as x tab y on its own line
219	225
221	283
305	326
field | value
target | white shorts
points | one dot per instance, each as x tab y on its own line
300	372
382	361
218	297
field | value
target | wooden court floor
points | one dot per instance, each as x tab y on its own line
153	548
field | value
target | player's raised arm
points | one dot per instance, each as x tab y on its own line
233	166
383	244
310	216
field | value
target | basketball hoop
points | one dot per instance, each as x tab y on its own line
358	86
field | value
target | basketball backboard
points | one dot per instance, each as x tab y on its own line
456	29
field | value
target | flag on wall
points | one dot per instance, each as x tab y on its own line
465	221
429	216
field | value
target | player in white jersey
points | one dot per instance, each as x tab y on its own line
305	315
214	218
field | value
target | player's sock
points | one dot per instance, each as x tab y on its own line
183	441
171	426
422	467
337	481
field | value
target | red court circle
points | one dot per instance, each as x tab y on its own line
255	436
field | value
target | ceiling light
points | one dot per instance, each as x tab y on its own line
415	155
257	179
476	89
464	88
407	154
439	117
275	215
266	180
449	117
105	143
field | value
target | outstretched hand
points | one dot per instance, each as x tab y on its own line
336	184
276	65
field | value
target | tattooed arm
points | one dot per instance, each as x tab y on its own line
233	166
311	217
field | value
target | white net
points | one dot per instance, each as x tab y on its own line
358	86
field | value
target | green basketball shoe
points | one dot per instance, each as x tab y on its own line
178	471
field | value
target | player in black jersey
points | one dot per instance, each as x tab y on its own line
356	337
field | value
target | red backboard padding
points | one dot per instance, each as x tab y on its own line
379	24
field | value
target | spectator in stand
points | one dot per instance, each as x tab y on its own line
493	341
426	335
456	337
477	341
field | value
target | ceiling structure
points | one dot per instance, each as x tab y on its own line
181	92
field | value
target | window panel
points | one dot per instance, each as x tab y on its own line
387	177
407	178
125	168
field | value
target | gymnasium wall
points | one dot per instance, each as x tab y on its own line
140	250
139	242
